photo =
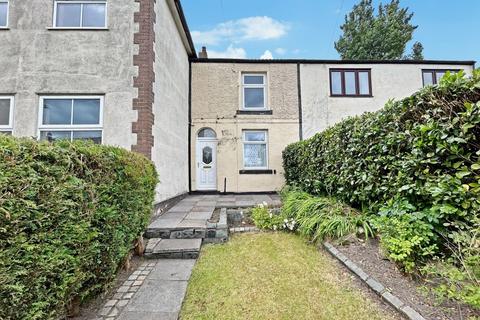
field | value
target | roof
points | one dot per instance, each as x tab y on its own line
186	30
320	61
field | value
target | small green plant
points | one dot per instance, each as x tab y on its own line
266	218
458	276
406	238
321	217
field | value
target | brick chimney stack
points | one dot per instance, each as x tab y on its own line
203	54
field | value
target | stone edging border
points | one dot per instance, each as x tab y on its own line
244	229
112	308
375	285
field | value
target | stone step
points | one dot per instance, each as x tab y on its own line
158	248
176	233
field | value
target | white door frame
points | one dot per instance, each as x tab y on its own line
206	171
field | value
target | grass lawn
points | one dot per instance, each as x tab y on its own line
272	276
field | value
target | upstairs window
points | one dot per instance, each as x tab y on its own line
350	83
80	14
254	91
6	114
3	14
71	118
255	149
432	77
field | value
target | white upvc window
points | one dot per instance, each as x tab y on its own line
71	118
255	149
254	91
6	114
80	14
3	14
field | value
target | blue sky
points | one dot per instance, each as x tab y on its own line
448	29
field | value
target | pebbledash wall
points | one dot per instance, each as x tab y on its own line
299	97
216	104
37	60
388	81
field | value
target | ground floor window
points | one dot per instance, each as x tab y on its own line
6	114
255	155
71	118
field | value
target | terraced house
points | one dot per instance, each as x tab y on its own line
125	73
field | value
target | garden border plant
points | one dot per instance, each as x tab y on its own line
415	167
69	215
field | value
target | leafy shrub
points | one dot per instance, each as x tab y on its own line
69	214
321	217
458	276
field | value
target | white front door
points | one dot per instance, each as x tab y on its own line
206	165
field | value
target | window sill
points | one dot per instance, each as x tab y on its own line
257	171
350	96
76	29
255	112
4	28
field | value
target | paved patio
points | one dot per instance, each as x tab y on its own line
195	210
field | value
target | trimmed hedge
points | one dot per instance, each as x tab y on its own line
424	149
69	215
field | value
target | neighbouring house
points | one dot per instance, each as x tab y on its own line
115	72
126	73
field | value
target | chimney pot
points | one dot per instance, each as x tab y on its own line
203	54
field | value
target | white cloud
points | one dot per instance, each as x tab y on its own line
230	52
267	55
281	51
251	28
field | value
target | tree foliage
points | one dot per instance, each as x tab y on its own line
384	36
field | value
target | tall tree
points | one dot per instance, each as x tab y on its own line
375	37
417	52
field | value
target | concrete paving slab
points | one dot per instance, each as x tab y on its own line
159	296
165	223
172	270
193	223
201	215
169	245
138	315
202	209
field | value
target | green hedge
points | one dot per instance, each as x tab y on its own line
69	215
424	149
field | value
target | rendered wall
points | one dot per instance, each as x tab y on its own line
170	130
36	60
319	110
216	98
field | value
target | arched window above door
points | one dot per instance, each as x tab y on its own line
207	133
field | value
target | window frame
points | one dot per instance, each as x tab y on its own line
70	127
9	127
263	86
265	142
434	74
81	2
8	13
357	71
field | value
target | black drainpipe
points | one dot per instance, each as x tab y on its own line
189	126
300	116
